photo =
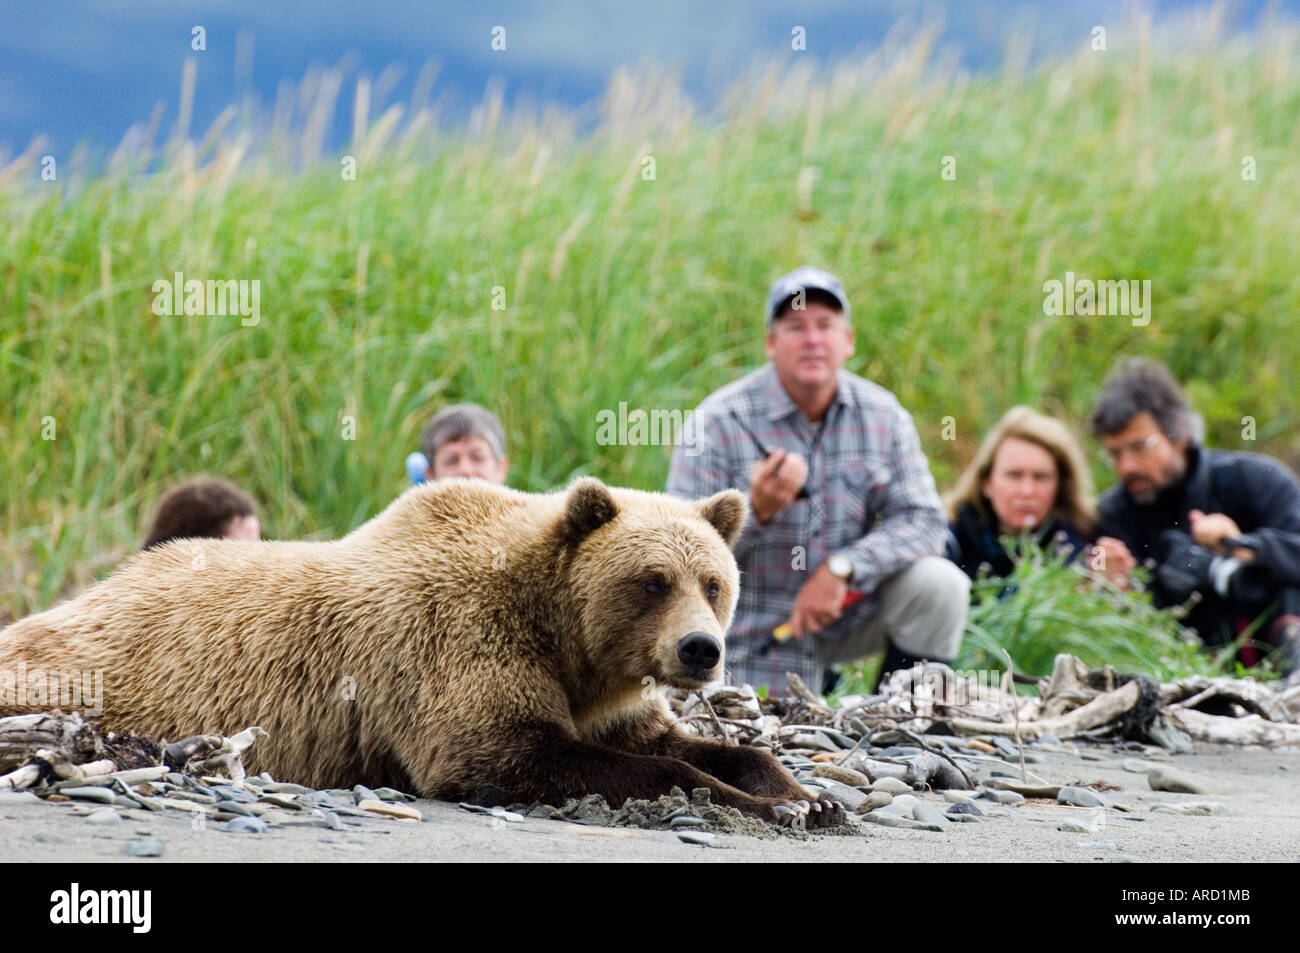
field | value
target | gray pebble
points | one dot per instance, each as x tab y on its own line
362	793
231	807
390	794
355	812
1006	746
327	819
1074	827
285	801
965	807
927	813
703	838
894	810
1170	779
893	820
102	795
891	786
839	737
1079	797
227	793
686	821
251	825
1189	808
105	817
1092	756
286	787
877	799
144	847
900	751
1003	797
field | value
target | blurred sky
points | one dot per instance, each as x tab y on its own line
86	70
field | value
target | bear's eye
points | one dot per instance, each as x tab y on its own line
713	590
656	587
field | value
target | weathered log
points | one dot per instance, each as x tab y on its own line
1065	688
68	732
1100	711
1250	730
1246	692
21	779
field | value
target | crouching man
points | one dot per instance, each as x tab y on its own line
823	454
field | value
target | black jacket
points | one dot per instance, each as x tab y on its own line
973	541
1261	496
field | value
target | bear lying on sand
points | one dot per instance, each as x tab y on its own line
469	635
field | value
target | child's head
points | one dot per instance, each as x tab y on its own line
465	440
204	508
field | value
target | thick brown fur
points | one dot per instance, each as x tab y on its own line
469	635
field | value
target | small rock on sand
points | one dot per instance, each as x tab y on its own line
390	809
1178	782
1192	808
847	776
891	786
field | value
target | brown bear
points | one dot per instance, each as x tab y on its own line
468	635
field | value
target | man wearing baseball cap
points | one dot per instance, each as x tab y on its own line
841	555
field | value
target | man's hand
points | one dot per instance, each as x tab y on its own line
1117	561
774	482
1211	529
819	603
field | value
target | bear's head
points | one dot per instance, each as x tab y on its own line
655	580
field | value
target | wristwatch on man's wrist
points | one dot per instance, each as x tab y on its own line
840	565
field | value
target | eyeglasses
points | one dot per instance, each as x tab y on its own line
1138	448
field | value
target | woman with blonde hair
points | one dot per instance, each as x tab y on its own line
1028	477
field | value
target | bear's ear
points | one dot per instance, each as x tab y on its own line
588	507
726	512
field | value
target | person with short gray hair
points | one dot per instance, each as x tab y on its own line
1218	523
465	440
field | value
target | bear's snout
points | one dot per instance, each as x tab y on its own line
699	651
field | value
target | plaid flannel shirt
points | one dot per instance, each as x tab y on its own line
864	463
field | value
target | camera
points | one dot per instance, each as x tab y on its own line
1188	567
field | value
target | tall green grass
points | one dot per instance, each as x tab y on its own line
376	294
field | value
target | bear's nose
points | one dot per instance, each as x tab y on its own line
699	650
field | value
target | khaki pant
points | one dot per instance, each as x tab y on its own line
921	609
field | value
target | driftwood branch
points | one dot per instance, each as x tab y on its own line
1250	730
1100	711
